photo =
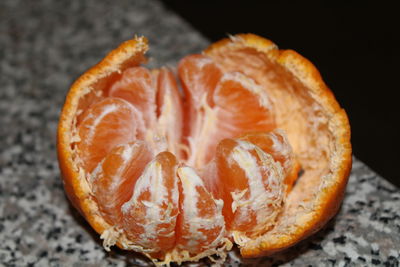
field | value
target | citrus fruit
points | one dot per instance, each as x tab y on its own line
252	150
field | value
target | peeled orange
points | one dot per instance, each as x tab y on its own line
182	165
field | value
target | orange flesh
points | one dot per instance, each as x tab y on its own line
252	186
200	222
169	111
137	87
223	128
276	144
106	124
113	181
149	217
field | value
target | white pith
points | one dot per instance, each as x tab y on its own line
265	187
107	110
282	147
111	113
152	181
268	203
205	125
127	154
168	114
250	85
191	183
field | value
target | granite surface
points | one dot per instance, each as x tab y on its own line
44	46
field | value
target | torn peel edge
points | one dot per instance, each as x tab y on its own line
114	236
179	256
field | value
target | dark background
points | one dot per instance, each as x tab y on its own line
354	45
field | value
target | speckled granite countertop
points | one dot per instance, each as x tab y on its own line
44	46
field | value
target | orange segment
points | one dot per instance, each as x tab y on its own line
200	225
149	217
219	105
106	124
137	86
277	145
169	104
242	105
199	75
113	179
252	186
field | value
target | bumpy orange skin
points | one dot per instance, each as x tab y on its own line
131	53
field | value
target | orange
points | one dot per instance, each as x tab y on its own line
179	175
